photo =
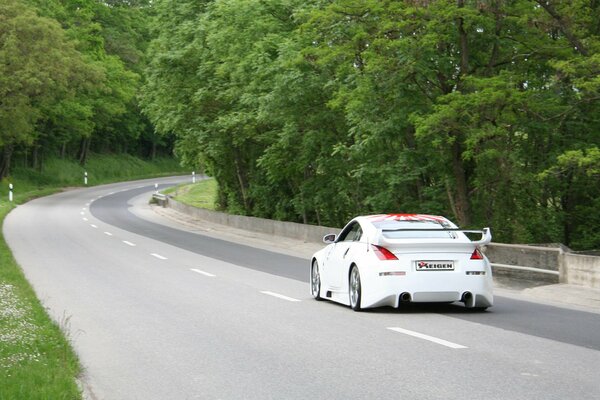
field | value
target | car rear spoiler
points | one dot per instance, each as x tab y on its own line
486	235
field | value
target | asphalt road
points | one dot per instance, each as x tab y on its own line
162	313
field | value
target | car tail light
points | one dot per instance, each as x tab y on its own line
476	255
382	253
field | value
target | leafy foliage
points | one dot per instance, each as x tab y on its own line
314	111
317	111
70	72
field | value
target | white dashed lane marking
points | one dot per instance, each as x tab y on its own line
129	243
108	233
279	296
93	226
158	256
202	273
429	338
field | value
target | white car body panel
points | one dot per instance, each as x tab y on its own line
384	281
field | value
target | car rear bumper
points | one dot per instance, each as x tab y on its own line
425	287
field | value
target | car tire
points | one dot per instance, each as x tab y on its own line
354	288
315	281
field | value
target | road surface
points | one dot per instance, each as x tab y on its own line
157	312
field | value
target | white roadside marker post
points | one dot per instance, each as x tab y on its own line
85	181
10	192
193	176
156	188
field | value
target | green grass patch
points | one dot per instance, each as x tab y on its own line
36	358
100	169
202	194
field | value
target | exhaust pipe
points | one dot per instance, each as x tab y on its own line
405	297
468	299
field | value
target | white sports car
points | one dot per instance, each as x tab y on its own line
386	260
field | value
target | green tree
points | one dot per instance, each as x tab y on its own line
39	67
112	38
317	111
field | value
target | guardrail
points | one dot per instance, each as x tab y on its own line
522	268
160	199
539	263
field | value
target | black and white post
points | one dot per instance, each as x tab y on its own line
193	176
85	178
156	188
10	192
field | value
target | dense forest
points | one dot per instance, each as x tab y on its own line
70	74
485	111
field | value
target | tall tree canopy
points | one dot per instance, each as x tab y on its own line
39	69
70	72
315	111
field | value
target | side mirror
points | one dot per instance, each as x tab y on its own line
329	238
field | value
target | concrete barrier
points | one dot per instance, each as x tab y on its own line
306	233
535	263
160	199
554	264
581	270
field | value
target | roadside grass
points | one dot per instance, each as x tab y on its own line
202	194
100	169
36	358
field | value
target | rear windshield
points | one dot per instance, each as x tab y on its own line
399	230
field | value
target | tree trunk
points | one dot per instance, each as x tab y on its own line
567	205
41	161
460	195
462	204
84	150
5	162
153	151
464	45
34	157
573	40
448	185
497	31
411	142
241	180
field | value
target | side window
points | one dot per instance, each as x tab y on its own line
353	233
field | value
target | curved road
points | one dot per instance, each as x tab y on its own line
162	313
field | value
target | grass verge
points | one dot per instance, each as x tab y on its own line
36	358
202	194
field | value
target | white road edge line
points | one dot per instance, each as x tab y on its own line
158	256
129	243
202	273
279	296
430	338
